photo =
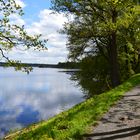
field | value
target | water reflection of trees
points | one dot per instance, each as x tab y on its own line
93	77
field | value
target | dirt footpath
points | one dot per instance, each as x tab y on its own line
122	122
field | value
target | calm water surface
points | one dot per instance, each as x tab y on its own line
27	99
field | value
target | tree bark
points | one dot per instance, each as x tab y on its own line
115	73
126	61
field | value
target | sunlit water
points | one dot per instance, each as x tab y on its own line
27	99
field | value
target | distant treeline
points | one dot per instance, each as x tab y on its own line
68	65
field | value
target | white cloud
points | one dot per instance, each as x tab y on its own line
16	19
21	3
48	25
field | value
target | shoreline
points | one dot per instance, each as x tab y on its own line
75	122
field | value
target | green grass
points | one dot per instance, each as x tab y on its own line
72	124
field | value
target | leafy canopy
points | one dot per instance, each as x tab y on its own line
108	29
14	36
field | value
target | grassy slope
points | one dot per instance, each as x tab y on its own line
72	124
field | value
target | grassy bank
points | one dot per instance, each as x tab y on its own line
72	124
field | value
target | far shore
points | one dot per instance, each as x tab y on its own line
59	65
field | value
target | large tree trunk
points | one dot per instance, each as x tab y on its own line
126	61
115	74
114	65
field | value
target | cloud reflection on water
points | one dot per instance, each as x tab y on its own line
26	99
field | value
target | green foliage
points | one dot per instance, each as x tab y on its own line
72	124
14	36
69	65
105	27
95	70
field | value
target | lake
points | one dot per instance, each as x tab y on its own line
27	99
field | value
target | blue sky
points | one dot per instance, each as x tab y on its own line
33	7
39	20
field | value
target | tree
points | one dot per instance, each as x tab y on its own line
12	35
94	76
99	27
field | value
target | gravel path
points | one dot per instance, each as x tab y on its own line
122	122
